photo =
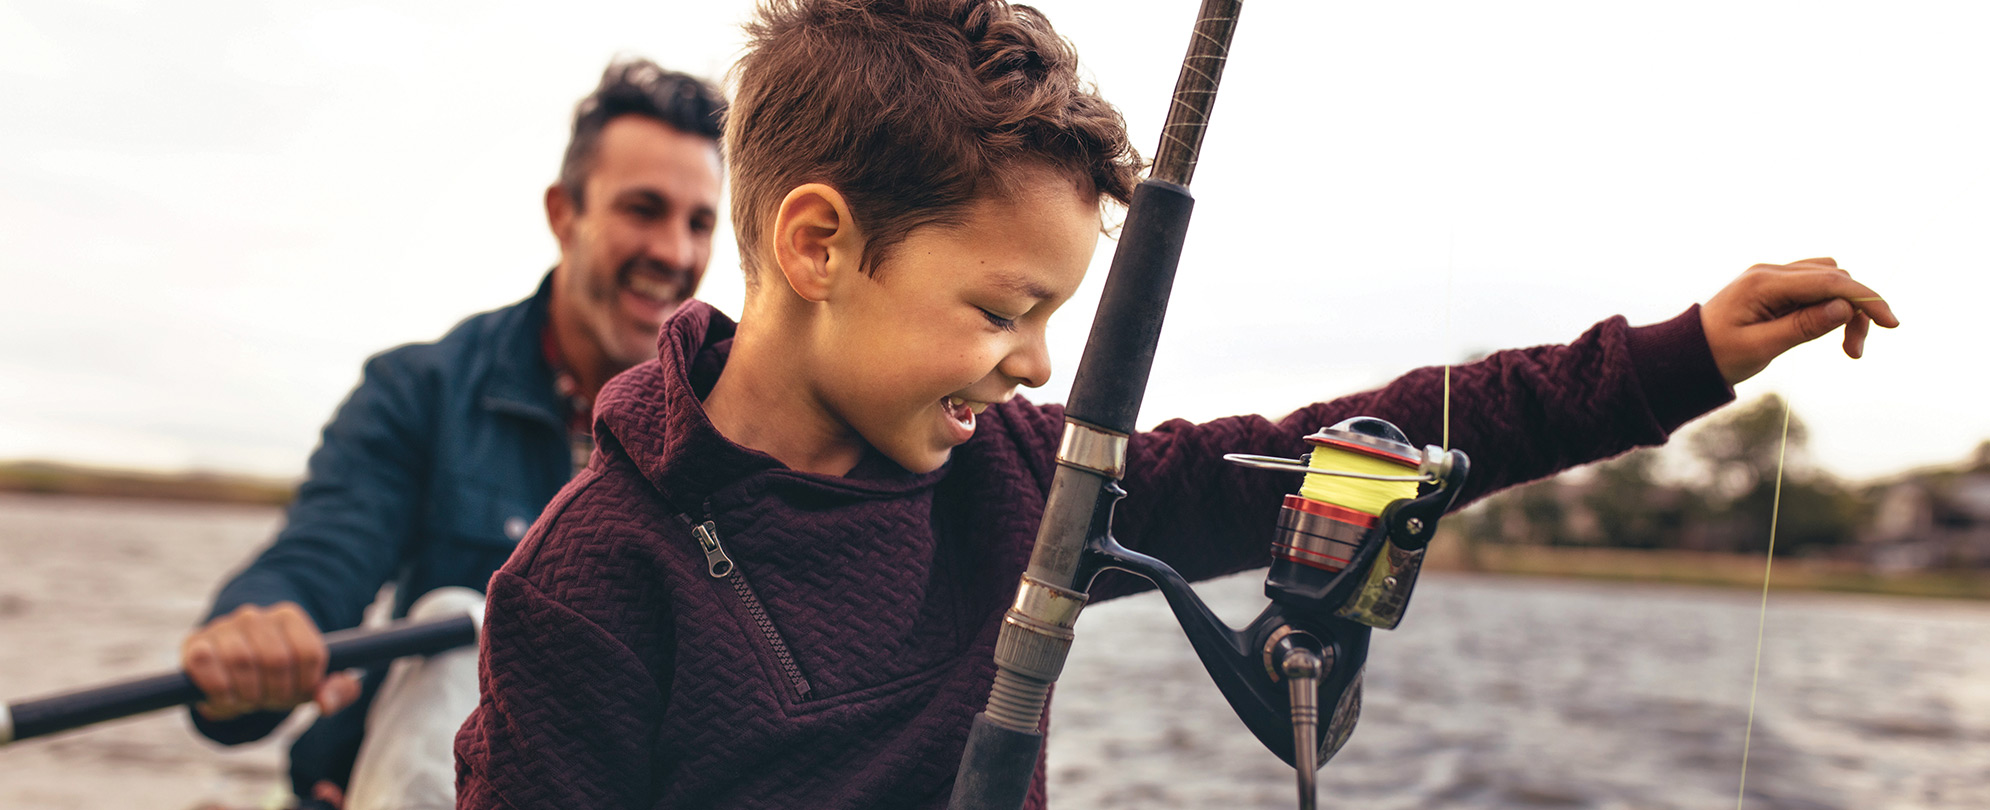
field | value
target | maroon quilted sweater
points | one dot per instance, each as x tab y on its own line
839	659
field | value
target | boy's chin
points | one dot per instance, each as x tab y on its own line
917	461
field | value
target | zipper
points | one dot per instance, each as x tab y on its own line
721	566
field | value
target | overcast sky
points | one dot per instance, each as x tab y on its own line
211	213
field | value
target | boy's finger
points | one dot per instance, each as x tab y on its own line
1877	309
1805	288
1824	260
1815	321
1855	335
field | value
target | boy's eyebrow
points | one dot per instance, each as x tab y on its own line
1022	286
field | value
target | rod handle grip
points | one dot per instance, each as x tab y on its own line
997	768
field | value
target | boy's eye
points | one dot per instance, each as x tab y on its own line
1004	324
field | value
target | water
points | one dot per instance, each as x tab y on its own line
1522	693
1496	693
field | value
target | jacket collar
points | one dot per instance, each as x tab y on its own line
520	382
656	413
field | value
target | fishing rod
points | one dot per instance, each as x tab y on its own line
346	649
1346	551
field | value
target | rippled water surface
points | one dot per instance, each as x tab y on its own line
1496	693
1522	693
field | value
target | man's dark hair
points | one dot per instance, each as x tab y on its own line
637	87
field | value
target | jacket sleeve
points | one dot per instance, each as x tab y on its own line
351	520
1520	415
567	714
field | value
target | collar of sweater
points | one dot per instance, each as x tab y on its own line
656	415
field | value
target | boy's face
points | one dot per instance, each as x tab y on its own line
954	320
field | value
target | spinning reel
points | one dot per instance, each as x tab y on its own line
1345	558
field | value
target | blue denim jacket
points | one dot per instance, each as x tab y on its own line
428	474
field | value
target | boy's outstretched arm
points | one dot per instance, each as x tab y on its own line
1772	308
1523	414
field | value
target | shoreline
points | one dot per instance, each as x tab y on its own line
1702	568
1448	553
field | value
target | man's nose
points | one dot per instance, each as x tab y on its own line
674	245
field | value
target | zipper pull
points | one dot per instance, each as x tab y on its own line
717	563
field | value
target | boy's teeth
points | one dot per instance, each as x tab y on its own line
978	407
955	402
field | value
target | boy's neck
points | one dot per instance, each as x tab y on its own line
761	401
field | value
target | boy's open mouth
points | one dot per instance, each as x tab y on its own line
962	411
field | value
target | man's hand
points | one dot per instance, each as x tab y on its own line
258	658
1774	307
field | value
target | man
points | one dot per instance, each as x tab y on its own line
437	463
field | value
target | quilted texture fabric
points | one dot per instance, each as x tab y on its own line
840	664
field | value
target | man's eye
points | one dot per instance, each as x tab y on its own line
644	211
1004	324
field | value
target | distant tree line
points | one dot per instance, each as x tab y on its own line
1712	492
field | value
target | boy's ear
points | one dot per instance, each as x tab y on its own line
815	240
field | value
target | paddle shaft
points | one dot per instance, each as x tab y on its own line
346	649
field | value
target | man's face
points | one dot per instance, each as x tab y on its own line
635	245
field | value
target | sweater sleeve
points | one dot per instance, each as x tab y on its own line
567	714
1520	415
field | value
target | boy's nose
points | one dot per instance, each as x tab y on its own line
1029	364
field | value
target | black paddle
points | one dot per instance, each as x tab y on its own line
25	719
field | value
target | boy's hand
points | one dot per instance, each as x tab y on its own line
259	658
1773	307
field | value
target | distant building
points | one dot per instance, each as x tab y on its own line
1933	520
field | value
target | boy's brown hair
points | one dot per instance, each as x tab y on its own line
912	109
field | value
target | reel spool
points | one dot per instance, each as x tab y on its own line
1323	525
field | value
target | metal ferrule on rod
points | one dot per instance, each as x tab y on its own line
6	724
1094	449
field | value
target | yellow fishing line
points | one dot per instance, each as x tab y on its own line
1874	298
1775	511
1447	407
1360	494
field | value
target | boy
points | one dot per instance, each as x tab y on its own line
779	581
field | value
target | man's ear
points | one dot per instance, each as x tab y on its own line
559	213
815	240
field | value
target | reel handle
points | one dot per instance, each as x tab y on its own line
1302	663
